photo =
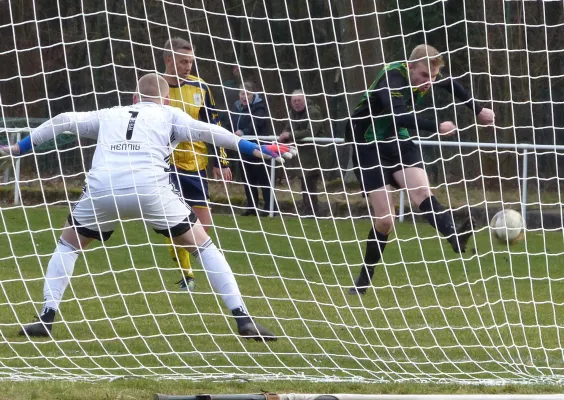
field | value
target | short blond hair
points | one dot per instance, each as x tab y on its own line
426	53
152	87
174	45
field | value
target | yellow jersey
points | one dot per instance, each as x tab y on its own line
195	99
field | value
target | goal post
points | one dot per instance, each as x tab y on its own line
492	315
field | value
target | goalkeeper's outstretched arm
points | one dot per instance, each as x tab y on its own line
84	124
187	129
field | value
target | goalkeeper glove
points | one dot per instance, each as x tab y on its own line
268	151
277	151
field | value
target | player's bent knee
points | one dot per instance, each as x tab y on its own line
384	225
73	238
418	195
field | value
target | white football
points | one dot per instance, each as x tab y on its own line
508	226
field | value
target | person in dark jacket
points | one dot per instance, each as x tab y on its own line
249	117
306	121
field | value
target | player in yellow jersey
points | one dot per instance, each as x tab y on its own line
190	159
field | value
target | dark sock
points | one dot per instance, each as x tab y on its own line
48	315
374	251
439	219
249	196
241	316
254	193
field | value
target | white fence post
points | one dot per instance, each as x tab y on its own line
17	134
524	186
10	136
272	184
402	206
17	174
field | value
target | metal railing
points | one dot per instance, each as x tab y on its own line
525	147
320	140
15	135
401	215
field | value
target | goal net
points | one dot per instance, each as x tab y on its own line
494	314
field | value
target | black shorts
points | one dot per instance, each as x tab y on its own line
376	162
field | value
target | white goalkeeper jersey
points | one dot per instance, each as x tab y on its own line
134	142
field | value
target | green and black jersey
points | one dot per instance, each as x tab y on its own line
389	103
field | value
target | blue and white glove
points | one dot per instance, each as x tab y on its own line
268	151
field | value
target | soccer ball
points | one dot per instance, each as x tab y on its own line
508	226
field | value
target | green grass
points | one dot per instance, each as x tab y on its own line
143	389
495	316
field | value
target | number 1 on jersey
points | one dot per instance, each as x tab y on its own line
131	124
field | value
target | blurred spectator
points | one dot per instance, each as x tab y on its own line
249	117
230	92
306	121
231	89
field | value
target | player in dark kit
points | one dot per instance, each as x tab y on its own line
385	155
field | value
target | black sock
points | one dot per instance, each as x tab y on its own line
240	315
374	251
439	219
48	315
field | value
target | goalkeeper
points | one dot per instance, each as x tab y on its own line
385	155
142	136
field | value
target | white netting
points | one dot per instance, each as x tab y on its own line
495	314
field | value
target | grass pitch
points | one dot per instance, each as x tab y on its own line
493	315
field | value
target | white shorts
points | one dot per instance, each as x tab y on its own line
97	214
